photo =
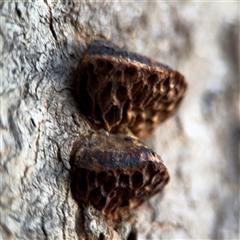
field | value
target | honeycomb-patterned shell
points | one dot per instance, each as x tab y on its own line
115	172
126	91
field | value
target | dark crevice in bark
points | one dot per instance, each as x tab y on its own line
19	13
51	26
33	122
44	229
37	149
51	21
101	236
133	234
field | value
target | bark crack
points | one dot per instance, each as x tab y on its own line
65	204
51	21
18	11
44	229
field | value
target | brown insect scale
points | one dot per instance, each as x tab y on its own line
124	90
117	173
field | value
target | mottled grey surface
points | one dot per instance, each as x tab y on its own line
41	45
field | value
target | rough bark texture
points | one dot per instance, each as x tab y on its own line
41	45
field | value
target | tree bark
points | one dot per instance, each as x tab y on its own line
42	43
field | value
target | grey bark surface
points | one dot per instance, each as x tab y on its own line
41	45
